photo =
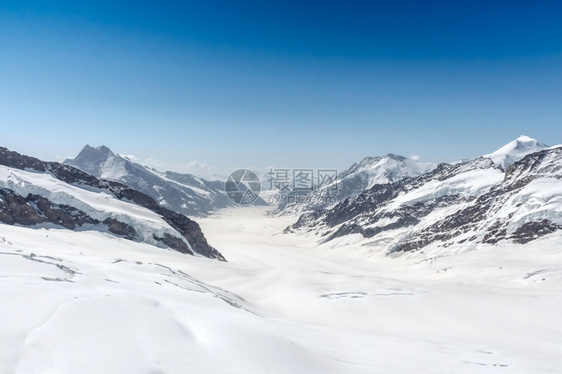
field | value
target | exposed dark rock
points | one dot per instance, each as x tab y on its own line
15	210
495	233
174	242
191	231
120	228
533	230
15	160
34	209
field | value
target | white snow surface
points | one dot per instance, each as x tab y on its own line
113	168
515	150
540	199
389	170
475	182
87	302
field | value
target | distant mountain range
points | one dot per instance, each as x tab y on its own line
50	194
513	194
395	203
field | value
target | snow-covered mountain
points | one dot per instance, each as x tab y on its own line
515	150
183	193
386	169
454	206
33	192
358	178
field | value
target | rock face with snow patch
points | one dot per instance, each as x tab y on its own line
183	193
34	192
463	204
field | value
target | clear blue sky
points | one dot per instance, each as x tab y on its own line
284	83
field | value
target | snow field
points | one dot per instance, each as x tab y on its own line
87	302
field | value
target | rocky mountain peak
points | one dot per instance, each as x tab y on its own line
392	156
89	152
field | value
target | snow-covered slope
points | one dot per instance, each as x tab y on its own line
454	207
86	302
358	178
515	150
83	302
35	193
183	193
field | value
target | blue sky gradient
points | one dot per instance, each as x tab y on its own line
290	84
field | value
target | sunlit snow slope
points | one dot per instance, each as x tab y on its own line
87	302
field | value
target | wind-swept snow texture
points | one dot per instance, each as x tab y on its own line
87	302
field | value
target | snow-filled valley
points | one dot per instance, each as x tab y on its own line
90	302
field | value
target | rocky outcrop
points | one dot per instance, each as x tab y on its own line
15	210
34	210
122	229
